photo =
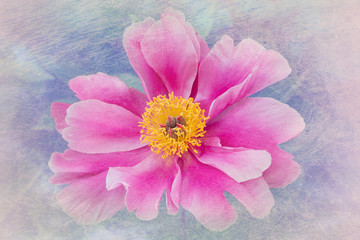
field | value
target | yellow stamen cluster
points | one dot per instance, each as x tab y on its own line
155	116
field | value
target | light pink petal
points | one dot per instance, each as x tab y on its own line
71	164
169	50
211	141
110	90
273	67
98	127
88	200
202	194
204	50
254	195
187	26
256	123
58	112
261	123
145	184
283	169
173	194
133	35
245	69
241	164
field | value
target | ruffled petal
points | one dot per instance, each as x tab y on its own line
145	184
58	112
71	164
98	127
88	200
202	194
169	50
254	195
241	164
261	123
283	169
245	69
110	90
150	80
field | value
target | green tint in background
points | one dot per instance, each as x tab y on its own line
43	44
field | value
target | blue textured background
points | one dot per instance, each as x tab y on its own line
43	44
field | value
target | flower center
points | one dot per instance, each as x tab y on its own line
172	125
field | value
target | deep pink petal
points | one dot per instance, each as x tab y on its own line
283	169
241	164
88	200
98	127
145	184
71	164
226	99
133	35
237	72
58	112
226	66
169	50
261	123
202	194
110	90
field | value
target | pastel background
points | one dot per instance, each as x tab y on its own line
44	43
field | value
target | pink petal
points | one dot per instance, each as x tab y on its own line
110	90
58	112
204	50
283	169
88	200
187	26
256	123
169	50
241	164
145	184
227	67
202	194
133	35
72	164
273	67
261	123
254	195
98	127
226	99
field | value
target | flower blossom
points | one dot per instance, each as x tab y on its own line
193	135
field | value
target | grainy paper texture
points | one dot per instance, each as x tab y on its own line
43	44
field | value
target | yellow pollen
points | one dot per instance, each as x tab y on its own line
188	135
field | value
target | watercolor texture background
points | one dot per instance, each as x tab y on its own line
43	44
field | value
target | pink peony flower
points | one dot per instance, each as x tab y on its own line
194	134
